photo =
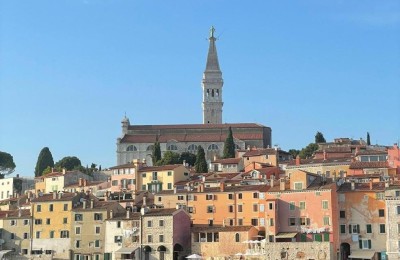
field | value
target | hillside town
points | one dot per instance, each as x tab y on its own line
241	197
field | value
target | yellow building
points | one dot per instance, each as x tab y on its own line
160	178
52	216
56	181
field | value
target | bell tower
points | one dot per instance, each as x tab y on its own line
212	85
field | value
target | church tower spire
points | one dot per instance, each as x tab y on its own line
212	85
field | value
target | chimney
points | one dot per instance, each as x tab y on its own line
272	180
222	186
144	161
144	201
85	182
63	171
174	190
282	184
370	184
353	185
248	148
84	204
297	160
106	196
59	195
184	162
325	155
91	203
214	158
386	184
357	150
29	194
128	214
201	187
80	182
111	214
54	195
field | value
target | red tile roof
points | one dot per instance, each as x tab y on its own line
372	152
320	161
258	152
195	126
228	161
65	196
206	137
376	186
207	228
366	165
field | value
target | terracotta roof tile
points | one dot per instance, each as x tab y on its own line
228	161
195	126
66	196
320	161
366	165
258	152
376	186
207	228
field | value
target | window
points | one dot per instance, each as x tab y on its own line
240	222
149	223
230	196
131	148
255	195
13	222
38	221
262	207
97	243
230	208
212	147
255	207
326	221
172	147
381	213
161	222
47	221
324	204
382	228
365	243
77	243
51	234
326	237
354	229
369	228
12	235
271	206
65	220
318	237
292	221
39	208
240	208
210	209
209	197
298	185
117	239
169	186
193	148
78	230
398	210
26	236
37	235
51	207
149	238
302	205
64	234
26	222
210	222
114	183
304	221
98	216
292	205
161	238
97	230
65	207
143	187
237	237
342	229
271	222
342	214
24	251
78	217
240	196
254	221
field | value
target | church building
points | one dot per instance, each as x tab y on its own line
136	141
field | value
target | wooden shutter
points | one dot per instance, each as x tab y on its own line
360	243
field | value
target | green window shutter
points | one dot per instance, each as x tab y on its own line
360	243
369	228
318	237
369	244
349	229
326	237
358	229
303	238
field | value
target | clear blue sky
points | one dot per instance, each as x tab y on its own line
69	70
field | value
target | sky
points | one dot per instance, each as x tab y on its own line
71	69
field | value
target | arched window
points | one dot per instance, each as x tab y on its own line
212	147
237	147
131	148
212	92
237	237
150	148
193	148
172	147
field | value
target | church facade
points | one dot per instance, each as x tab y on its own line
136	141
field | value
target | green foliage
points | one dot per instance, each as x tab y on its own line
201	163
7	165
294	152
169	158
47	170
368	139
229	146
319	138
17	185
156	155
69	163
189	158
308	151
45	159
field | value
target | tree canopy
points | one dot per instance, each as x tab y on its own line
294	152
45	159
188	157
7	165
201	163
156	154
319	138
368	139
308	151
69	163
169	158
229	146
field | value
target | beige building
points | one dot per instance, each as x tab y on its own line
10	187
392	199
334	167
56	181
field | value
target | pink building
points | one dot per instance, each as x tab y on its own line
394	158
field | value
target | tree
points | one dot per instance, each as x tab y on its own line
368	139
7	165
69	163
189	158
319	138
169	158
229	146
45	159
156	155
201	163
308	151
294	152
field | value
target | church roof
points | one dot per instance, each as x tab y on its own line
212	57
195	126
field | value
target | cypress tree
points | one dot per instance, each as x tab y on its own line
368	139
201	163
45	159
319	138
156	156
229	146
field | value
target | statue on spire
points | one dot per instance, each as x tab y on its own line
212	30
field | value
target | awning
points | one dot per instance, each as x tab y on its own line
363	254
4	252
286	235
126	250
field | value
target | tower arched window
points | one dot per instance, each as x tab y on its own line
213	147
172	147
212	92
131	148
217	92
237	237
193	148
150	148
